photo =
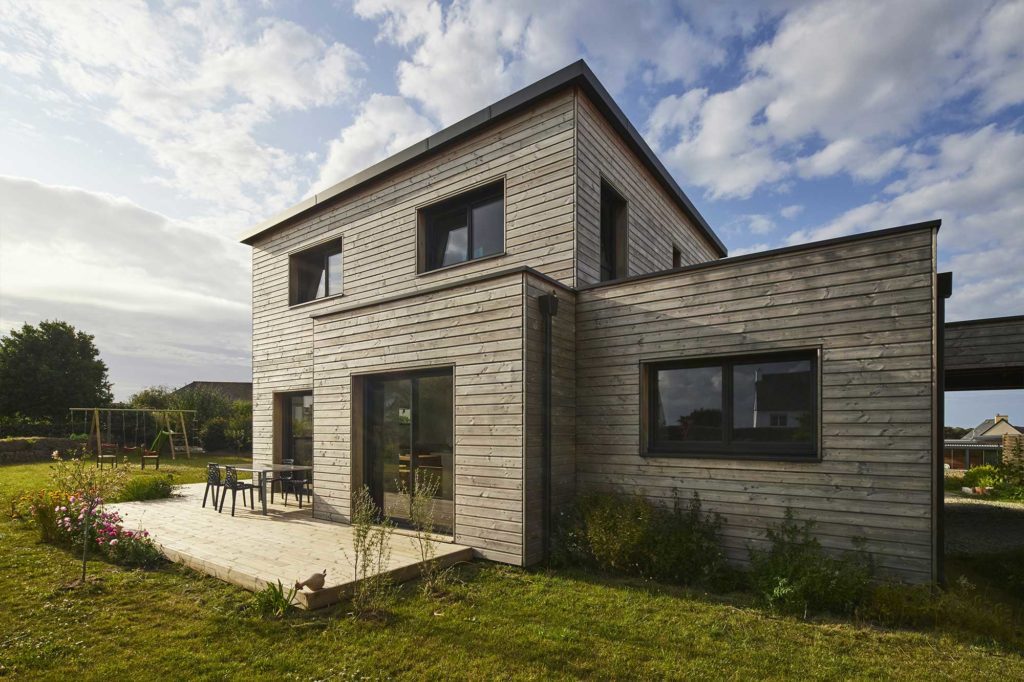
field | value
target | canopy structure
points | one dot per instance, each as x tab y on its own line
131	428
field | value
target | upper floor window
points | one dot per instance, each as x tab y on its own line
677	257
613	233
753	406
315	273
464	228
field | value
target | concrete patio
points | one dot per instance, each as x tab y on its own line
251	550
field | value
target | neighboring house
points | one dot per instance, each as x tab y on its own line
526	305
981	445
232	390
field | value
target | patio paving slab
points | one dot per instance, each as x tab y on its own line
252	551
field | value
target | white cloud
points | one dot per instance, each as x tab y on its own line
837	88
192	84
157	293
472	52
791	211
385	125
759	223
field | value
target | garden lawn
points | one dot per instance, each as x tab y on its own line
500	623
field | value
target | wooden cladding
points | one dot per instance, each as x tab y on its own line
868	304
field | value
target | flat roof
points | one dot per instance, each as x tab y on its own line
576	74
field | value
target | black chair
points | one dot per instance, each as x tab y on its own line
280	479
232	483
299	485
212	483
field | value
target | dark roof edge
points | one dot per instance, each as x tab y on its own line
517	270
887	232
577	73
987	320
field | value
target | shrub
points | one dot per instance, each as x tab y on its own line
628	534
984	476
147	488
433	580
795	575
371	546
19	426
239	426
214	434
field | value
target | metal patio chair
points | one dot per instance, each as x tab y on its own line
232	483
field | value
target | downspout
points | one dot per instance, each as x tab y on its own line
548	309
945	284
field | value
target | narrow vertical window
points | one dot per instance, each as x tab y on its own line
613	233
677	257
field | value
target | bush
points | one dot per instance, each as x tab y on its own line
628	534
147	488
984	476
20	426
795	575
214	434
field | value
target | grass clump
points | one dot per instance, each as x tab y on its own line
796	576
273	601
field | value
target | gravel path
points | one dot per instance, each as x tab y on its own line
979	526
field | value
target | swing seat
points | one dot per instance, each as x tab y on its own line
151	455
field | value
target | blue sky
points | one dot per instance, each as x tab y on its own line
140	138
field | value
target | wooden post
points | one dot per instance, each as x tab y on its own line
184	434
96	430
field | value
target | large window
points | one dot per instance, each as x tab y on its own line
470	226
316	273
752	406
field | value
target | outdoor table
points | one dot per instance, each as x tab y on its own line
260	472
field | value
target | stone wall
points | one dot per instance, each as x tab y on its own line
24	450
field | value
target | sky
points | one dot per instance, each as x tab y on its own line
138	140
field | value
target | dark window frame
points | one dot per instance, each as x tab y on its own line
677	256
465	201
727	448
325	249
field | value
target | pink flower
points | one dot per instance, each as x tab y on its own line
113	542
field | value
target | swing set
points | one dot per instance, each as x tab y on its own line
169	428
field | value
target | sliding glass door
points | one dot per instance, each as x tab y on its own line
408	429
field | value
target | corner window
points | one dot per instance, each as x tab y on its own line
613	233
470	226
753	406
315	273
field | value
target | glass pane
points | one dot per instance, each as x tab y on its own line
488	225
456	246
447	238
689	404
432	447
299	446
334	273
773	402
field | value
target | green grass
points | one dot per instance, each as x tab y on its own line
500	623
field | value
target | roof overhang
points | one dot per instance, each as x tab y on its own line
576	74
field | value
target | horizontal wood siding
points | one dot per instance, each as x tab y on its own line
985	344
563	400
867	304
655	221
532	151
477	329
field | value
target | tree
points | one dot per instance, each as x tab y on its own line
47	369
953	432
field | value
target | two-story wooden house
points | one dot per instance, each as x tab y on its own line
526	304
